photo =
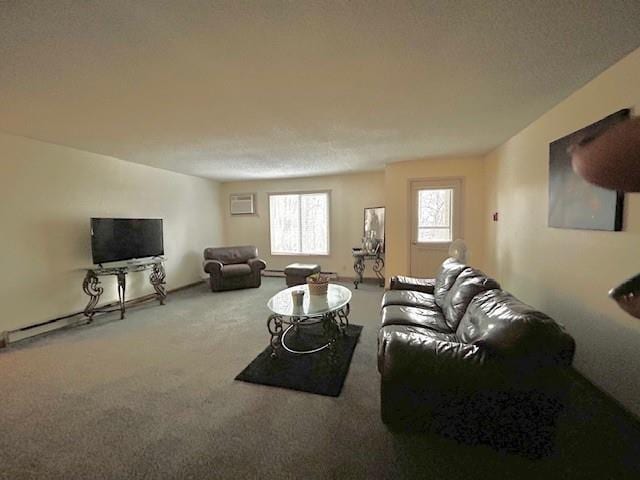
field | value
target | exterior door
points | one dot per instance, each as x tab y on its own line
436	207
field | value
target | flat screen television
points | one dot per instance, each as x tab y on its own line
114	239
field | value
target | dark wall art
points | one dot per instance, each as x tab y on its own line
573	202
374	227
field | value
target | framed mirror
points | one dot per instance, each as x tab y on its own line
373	239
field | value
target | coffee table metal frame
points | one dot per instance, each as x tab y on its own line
334	324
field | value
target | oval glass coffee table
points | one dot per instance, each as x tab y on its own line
330	311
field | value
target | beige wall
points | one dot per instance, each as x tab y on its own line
47	195
397	188
567	273
350	194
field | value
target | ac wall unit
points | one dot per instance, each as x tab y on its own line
243	204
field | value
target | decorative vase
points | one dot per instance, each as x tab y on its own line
318	288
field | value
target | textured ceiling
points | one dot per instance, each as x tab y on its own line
263	89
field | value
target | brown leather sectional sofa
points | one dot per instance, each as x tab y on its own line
460	356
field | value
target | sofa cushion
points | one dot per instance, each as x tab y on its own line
445	279
237	270
418	317
409	298
231	255
508	328
470	282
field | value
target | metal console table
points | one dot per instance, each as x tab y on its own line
91	284
359	259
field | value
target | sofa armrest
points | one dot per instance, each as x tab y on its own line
424	285
257	264
212	266
420	360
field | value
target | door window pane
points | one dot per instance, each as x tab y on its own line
434	215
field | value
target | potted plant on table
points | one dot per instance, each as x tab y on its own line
318	284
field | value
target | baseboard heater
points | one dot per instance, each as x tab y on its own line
70	320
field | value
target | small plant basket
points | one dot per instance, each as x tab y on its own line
318	284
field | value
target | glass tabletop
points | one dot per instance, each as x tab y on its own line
126	264
313	305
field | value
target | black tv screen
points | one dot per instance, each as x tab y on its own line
114	239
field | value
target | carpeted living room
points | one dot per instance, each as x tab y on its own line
319	239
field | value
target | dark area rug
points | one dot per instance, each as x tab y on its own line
322	373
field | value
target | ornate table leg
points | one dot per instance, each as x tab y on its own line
331	327
91	286
274	325
343	318
378	266
358	267
157	279
122	286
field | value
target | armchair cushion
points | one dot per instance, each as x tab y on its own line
236	270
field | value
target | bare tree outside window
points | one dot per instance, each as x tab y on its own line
299	223
434	215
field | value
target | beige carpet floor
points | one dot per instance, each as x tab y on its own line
153	396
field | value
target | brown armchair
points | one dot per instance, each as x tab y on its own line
231	268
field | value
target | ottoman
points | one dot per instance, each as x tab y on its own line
297	273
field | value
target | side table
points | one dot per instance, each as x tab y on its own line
359	262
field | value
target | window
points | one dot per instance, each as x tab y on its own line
435	211
299	223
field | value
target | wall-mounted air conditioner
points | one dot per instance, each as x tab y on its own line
243	204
